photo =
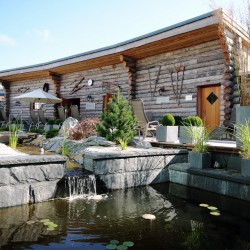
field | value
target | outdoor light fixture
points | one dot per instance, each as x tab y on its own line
90	82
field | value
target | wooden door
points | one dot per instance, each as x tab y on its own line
209	105
106	100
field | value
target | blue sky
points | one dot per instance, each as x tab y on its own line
37	31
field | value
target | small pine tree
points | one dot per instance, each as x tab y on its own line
117	121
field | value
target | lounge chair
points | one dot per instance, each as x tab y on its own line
61	113
75	112
35	123
42	119
144	125
226	132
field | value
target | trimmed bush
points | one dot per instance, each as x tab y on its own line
168	120
193	121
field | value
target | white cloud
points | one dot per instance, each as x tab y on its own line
7	40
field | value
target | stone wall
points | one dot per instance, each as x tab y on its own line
115	169
223	182
29	178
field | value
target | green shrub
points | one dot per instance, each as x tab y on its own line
51	122
117	121
58	121
193	121
52	133
37	130
168	120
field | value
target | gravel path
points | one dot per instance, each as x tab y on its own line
5	151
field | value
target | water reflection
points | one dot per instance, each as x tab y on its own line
91	224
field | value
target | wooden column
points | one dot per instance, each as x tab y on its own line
56	81
130	67
6	86
228	49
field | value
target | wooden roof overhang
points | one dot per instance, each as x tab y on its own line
192	32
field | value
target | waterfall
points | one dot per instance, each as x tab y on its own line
81	186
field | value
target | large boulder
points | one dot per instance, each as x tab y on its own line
69	124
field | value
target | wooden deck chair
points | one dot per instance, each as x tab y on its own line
226	132
61	113
75	112
42	119
145	126
35	123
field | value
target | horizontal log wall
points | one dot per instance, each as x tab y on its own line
106	79
21	87
204	65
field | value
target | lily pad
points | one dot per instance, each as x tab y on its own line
122	247
148	216
128	243
50	228
212	208
203	205
111	246
215	213
115	242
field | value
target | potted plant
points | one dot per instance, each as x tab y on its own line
243	137
196	124
199	157
167	132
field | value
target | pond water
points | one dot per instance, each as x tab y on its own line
91	224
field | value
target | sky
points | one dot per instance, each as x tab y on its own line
38	31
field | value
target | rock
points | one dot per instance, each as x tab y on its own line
137	143
69	123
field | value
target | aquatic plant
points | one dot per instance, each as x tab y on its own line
13	133
113	244
243	135
200	136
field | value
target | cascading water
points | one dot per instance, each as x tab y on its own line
80	185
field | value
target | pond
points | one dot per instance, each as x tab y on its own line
91	224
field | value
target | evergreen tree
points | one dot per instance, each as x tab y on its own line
117	120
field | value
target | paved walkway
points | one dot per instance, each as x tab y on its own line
7	151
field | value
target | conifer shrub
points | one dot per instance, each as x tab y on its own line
117	121
168	120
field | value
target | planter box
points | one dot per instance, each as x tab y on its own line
185	137
199	160
242	114
167	133
245	167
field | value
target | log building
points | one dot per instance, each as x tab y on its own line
184	69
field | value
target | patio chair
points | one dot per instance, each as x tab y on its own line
61	113
35	123
75	112
42	119
226	132
144	125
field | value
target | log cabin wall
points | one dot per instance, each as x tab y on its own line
203	65
21	87
106	80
